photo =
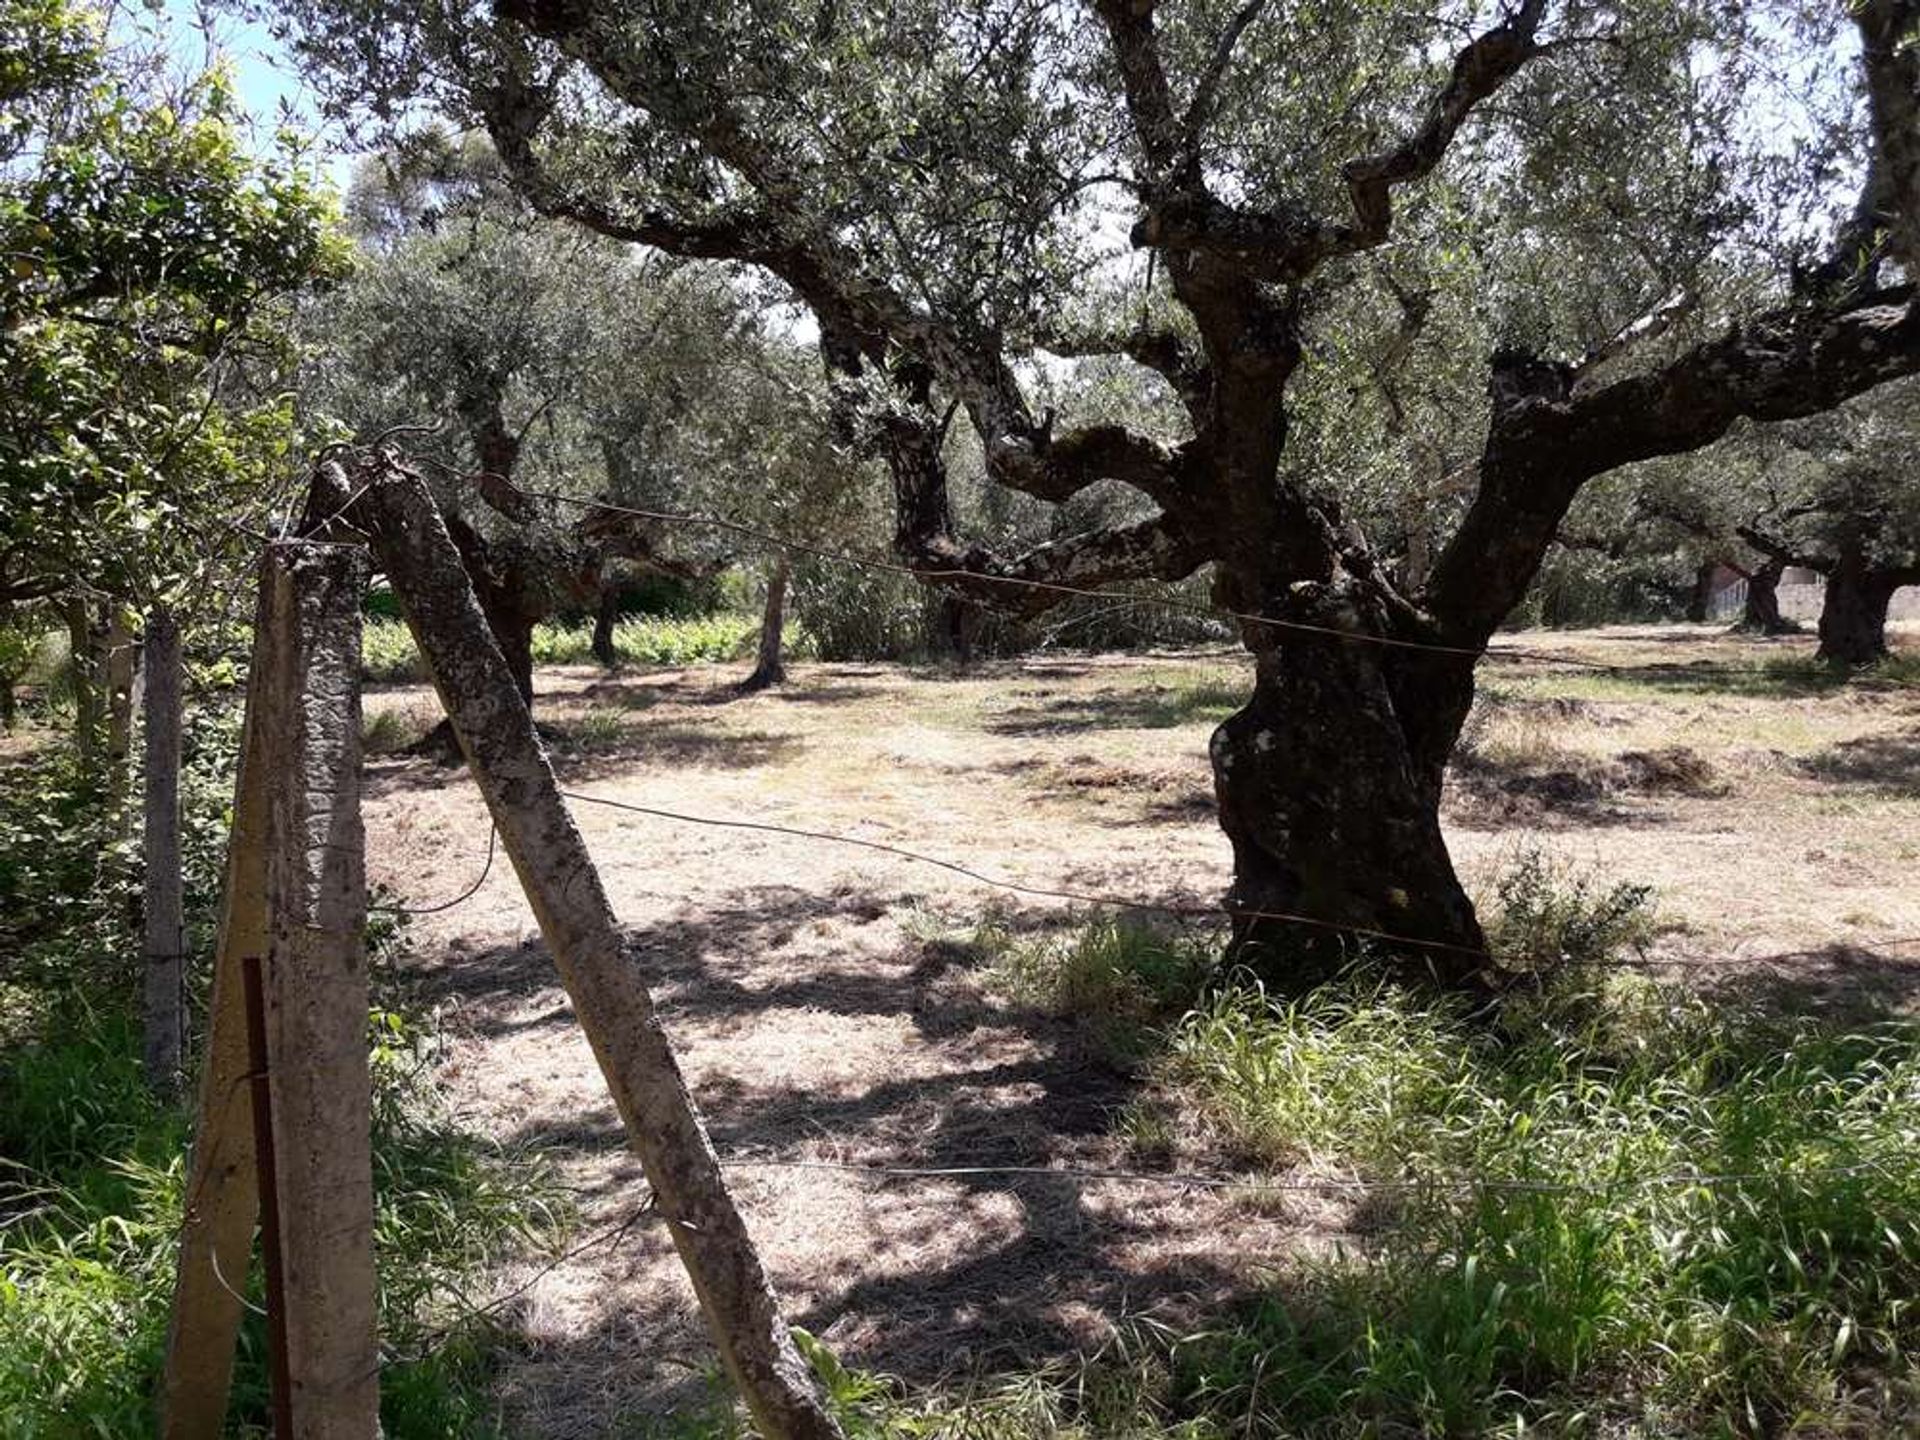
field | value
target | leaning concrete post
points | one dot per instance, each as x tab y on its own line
296	895
609	993
316	998
223	1199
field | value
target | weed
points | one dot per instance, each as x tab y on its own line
1122	977
1549	916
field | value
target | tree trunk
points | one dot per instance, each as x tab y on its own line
86	695
1328	784
601	972
1853	615
769	669
604	620
1700	598
164	941
508	598
1762	613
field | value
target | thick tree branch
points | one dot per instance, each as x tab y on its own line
1288	245
1163	351
1641	331
779	236
1887	217
1206	91
1143	76
1547	439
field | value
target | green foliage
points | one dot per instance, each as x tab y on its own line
389	657
91	1180
650	640
1700	1308
92	1167
1550	916
854	613
144	243
388	654
1590	1295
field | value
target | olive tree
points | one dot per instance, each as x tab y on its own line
944	186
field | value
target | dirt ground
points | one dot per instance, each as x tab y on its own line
828	1012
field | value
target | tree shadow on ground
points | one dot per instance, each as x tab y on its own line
1148	707
1884	764
597	750
1857	983
976	1266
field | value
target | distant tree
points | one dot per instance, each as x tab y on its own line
567	366
940	186
1839	496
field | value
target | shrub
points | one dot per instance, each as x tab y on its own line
854	613
1548	916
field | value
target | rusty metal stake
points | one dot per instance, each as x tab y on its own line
281	1382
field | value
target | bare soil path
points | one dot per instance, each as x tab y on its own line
828	1009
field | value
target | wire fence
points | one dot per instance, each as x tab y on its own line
936	575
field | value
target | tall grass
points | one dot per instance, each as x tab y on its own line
1746	1305
91	1192
1621	1209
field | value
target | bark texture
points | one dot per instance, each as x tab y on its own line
316	995
1328	784
598	969
163	917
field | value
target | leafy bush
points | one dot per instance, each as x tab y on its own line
853	613
1549	916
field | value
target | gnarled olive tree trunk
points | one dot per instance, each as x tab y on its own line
1761	613
606	616
1853	614
1328	784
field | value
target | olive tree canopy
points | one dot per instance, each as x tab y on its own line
1635	222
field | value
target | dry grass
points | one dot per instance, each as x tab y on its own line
828	1008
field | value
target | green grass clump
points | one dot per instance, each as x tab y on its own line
1123	977
1739	1307
91	1190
